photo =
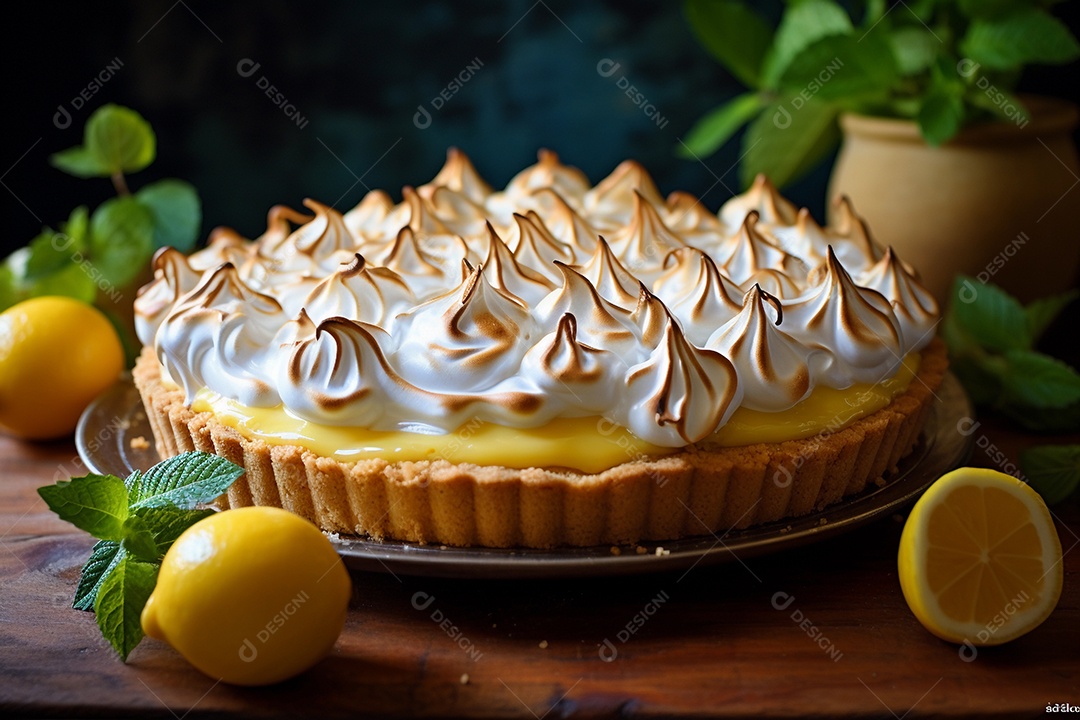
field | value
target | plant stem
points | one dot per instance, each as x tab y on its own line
120	184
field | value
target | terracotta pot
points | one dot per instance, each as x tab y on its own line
998	202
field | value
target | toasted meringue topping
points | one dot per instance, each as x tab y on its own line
854	326
915	308
772	365
762	198
461	302
610	278
697	293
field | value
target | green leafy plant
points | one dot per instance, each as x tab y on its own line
1053	470
942	63
135	521
105	250
992	338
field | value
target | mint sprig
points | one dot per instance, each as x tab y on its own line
136	521
104	250
992	339
1052	470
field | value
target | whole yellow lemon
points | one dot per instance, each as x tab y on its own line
251	596
56	355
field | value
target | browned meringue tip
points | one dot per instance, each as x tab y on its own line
805	221
633	173
304	320
225	236
680	198
759	295
775	206
167	254
283	214
421	219
319	208
407	249
544	156
467	269
354	266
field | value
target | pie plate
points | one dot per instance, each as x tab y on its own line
114	436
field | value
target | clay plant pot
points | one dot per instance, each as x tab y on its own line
998	202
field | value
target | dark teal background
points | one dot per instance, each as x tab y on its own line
356	72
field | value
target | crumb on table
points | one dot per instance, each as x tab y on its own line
139	443
543	644
464	679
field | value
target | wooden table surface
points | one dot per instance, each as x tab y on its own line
708	643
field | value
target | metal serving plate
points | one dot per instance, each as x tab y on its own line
108	427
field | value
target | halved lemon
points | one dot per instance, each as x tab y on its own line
980	560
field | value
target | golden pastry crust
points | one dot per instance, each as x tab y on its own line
697	491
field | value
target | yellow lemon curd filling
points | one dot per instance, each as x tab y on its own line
586	444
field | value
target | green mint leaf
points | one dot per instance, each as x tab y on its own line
73	280
1028	35
717	127
167	523
787	140
80	162
1039	380
1052	470
1003	104
139	542
980	378
914	48
49	251
176	212
96	504
875	10
78	223
121	239
842	66
940	117
994	318
734	34
9	291
185	481
120	139
1042	312
979	373
120	601
105	555
802	24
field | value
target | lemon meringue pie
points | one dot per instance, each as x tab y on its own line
551	364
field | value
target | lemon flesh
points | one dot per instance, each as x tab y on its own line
980	560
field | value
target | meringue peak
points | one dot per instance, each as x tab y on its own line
460	175
508	306
609	276
617	191
646	241
751	252
407	258
763	198
516	280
